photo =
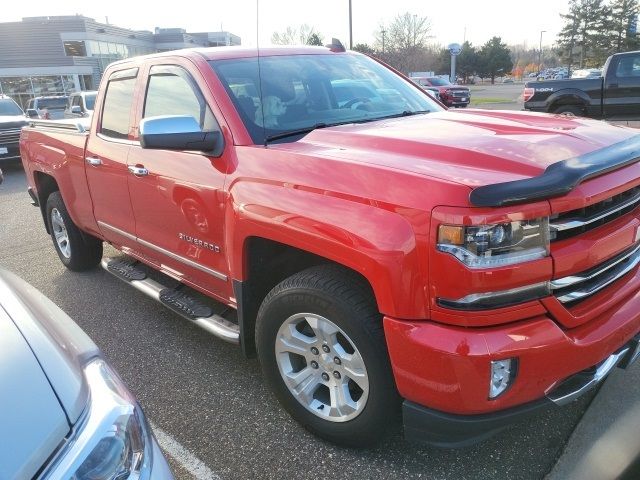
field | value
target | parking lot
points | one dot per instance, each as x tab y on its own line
213	413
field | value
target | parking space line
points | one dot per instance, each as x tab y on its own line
184	457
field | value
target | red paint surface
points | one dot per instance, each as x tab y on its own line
370	197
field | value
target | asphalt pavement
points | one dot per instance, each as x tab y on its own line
214	415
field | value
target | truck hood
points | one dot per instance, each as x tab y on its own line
473	148
12	121
33	422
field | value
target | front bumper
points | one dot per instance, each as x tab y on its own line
12	153
447	368
441	429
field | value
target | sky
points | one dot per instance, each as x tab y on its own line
516	21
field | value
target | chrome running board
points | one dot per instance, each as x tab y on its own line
214	323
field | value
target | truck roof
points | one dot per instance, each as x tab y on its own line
222	53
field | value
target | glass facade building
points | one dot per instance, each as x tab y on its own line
55	56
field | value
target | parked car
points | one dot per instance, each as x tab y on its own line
614	95
451	95
80	104
587	73
478	266
48	108
65	411
433	91
507	80
12	119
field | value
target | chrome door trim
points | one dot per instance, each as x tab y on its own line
117	230
186	261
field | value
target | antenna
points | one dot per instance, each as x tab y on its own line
264	129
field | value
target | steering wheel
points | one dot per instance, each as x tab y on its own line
354	101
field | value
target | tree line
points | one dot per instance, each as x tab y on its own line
595	29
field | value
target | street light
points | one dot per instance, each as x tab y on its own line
350	29
540	51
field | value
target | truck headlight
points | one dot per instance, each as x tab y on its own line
496	245
112	440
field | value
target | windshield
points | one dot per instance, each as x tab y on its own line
9	107
303	91
90	100
439	82
52	102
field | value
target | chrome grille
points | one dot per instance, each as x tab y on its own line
575	222
581	286
9	136
460	93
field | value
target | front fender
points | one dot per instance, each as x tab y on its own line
375	241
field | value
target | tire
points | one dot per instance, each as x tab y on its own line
332	304
569	110
77	250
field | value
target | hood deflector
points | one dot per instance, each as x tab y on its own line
560	178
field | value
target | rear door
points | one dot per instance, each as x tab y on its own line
178	204
106	159
622	87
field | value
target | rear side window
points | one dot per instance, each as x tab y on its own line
117	104
172	91
629	66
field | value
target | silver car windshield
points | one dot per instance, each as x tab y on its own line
291	93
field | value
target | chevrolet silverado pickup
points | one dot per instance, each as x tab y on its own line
614	96
378	254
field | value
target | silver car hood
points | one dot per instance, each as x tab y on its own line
32	422
59	346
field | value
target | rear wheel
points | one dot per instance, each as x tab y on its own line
570	111
77	250
322	350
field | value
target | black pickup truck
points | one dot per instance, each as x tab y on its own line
614	96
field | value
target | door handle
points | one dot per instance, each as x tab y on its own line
138	171
613	85
95	161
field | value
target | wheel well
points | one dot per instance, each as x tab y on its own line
266	264
567	102
45	185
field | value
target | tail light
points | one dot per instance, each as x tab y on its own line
528	94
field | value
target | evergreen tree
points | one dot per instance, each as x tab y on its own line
624	17
494	59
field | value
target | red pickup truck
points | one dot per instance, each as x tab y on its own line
378	252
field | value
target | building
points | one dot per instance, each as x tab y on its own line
62	54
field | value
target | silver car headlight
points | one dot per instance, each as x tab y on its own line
496	245
112	440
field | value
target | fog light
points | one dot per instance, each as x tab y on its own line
503	373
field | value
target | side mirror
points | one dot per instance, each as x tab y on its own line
76	110
178	132
32	113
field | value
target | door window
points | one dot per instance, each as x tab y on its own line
629	66
172	91
117	104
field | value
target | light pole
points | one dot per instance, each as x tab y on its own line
540	51
350	29
383	32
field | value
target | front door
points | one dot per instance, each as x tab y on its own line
106	160
178	197
622	88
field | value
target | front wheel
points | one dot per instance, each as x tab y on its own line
78	251
321	346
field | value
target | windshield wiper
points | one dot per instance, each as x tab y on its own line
291	133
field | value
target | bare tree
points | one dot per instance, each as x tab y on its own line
302	35
404	43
